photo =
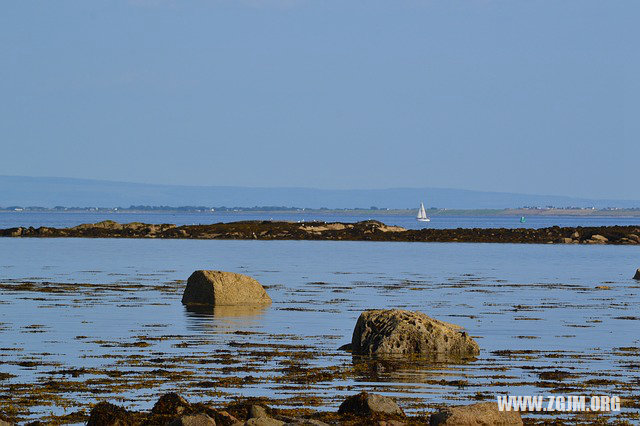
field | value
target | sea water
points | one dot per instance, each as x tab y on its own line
573	308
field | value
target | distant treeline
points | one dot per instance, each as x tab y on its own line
548	210
185	209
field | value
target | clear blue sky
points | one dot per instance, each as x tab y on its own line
523	96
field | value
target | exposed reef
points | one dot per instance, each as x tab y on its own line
369	230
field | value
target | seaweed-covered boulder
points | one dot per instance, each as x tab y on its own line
400	332
170	404
107	414
480	414
367	404
637	275
223	288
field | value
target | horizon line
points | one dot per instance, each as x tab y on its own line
317	188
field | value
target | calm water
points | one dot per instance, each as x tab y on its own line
63	220
568	307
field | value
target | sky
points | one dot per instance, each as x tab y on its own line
536	97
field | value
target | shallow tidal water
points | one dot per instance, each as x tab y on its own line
84	320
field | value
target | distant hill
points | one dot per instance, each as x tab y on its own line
51	192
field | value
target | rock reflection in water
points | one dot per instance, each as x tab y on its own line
226	317
407	369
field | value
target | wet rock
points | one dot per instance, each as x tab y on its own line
200	419
256	411
637	275
634	237
170	404
347	347
105	224
599	238
107	414
366	404
4	422
400	332
16	232
565	240
306	422
263	421
223	418
480	414
258	416
223	288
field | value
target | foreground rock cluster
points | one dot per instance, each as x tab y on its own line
369	230
360	409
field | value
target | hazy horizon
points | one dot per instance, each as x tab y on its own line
71	192
515	97
62	178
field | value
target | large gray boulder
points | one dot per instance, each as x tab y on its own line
400	332
223	288
480	414
367	404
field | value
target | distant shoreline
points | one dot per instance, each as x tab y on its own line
517	212
370	230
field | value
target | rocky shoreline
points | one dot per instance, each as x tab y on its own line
361	409
369	230
364	408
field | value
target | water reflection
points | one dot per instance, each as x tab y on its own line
230	318
400	368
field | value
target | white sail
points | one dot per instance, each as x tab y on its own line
422	214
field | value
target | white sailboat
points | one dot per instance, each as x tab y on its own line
422	214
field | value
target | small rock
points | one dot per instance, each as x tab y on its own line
256	411
223	418
263	421
576	235
400	332
637	275
107	414
598	237
306	422
346	347
170	404
483	413
366	404
223	288
565	240
4	423
105	224
201	419
634	237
